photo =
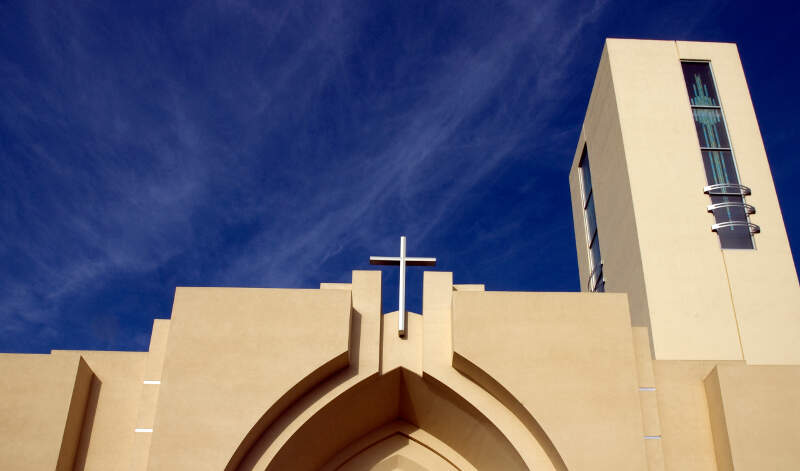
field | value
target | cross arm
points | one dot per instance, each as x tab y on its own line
384	260
421	261
410	261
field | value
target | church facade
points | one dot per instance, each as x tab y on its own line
681	352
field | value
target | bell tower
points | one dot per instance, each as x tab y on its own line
674	204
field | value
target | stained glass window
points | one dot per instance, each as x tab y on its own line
700	84
718	159
710	128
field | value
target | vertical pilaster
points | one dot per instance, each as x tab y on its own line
148	401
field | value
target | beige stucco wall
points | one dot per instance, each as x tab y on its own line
108	429
531	380
148	397
275	437
763	283
231	355
568	359
648	399
686	437
502	410
397	452
42	404
702	302
616	226
755	416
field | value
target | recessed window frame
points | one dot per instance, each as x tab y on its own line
703	149
596	282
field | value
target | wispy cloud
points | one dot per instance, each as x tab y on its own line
147	166
426	156
231	143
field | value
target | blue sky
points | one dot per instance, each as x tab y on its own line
145	146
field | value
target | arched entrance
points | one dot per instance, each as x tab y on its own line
397	445
399	419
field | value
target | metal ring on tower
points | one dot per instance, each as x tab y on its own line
722	225
726	189
748	209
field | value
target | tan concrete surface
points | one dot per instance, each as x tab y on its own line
655	455
147	406
651	424
763	283
442	403
602	134
481	390
157	349
397	452
271	436
355	405
41	411
469	287
344	286
689	320
108	427
232	355
648	399
403	428
644	362
141	451
399	351
568	358
719	429
683	415
399	394
642	146
148	398
755	416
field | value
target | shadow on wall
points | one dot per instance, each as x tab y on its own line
457	431
88	423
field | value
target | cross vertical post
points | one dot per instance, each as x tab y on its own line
401	296
402	261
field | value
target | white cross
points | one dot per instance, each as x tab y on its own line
402	260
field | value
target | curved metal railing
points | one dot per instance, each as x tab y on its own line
731	189
722	225
748	209
726	189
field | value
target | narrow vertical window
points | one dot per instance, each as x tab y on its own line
724	188
596	281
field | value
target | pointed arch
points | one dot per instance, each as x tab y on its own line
397	444
458	428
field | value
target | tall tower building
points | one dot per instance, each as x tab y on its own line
674	204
